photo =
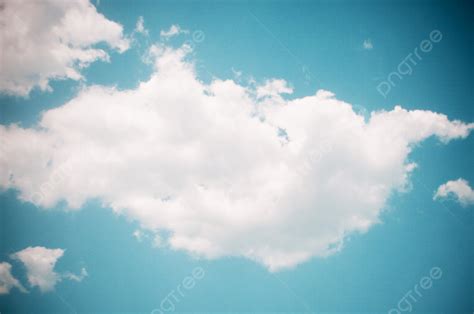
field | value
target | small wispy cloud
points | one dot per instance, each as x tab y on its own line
458	189
237	74
139	235
174	30
367	44
76	277
7	281
140	26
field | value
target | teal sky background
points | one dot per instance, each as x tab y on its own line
277	40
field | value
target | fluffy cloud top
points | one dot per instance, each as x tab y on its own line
205	167
51	39
7	281
459	189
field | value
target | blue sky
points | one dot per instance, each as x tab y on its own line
311	46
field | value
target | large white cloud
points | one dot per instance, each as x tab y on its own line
459	189
222	169
51	39
7	281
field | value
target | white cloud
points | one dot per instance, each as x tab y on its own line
83	274
7	281
138	234
140	26
174	30
459	189
274	88
367	44
40	262
208	171
51	39
237	74
158	241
